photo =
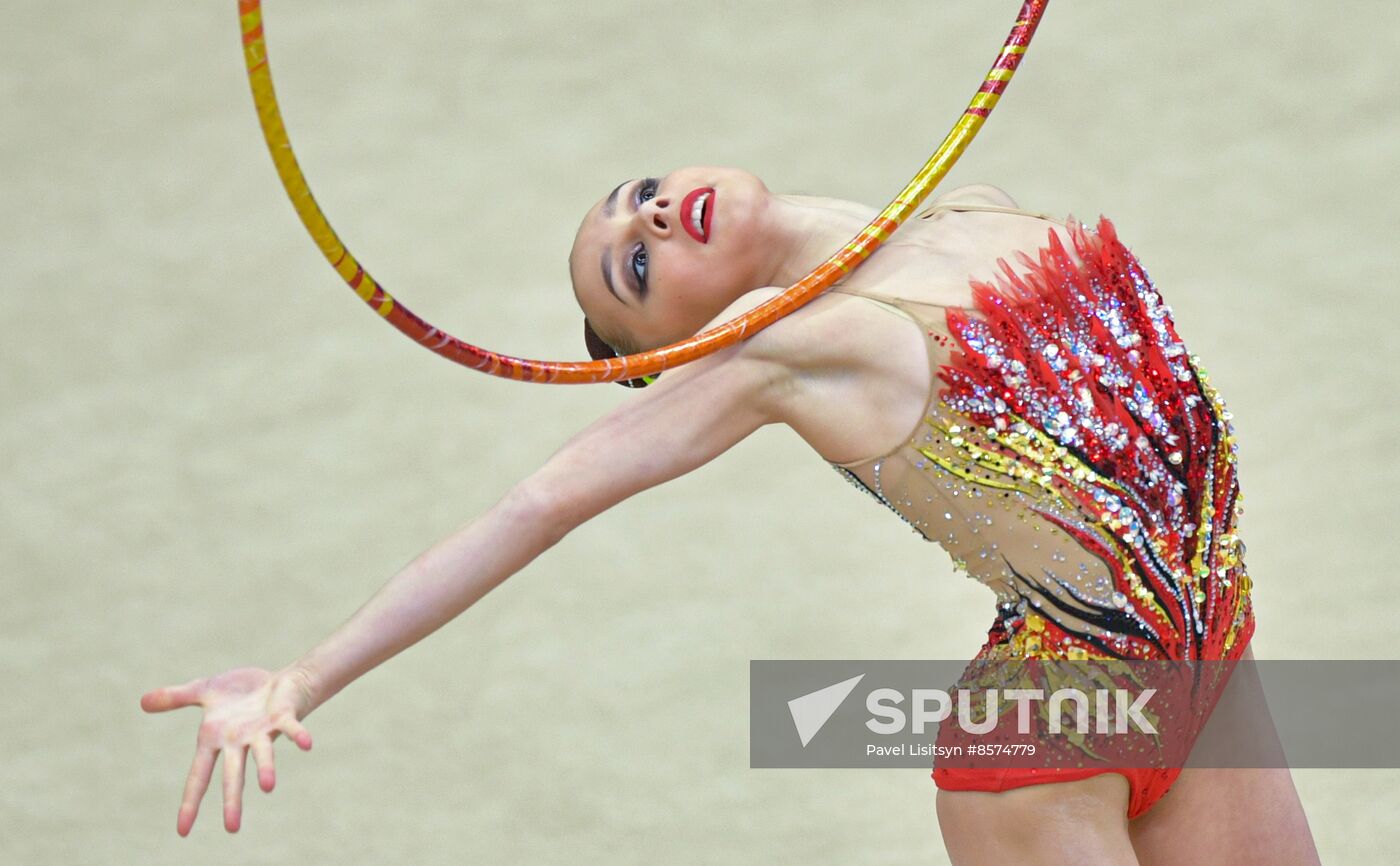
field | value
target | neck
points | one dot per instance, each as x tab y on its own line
809	229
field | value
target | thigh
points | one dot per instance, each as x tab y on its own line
1083	822
1226	816
1231	815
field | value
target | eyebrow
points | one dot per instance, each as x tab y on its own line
610	206
607	276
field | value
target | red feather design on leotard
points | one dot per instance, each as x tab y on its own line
1085	357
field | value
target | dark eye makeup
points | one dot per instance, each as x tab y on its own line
645	192
638	262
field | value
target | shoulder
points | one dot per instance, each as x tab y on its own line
977	193
817	334
835	370
759	370
776	362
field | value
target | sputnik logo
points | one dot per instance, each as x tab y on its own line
811	711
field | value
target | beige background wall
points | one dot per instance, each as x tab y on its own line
210	454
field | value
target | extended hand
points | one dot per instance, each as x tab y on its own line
245	708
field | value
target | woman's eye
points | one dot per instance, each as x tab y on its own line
639	266
647	191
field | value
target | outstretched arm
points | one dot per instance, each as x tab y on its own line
685	419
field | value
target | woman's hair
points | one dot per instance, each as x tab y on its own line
611	346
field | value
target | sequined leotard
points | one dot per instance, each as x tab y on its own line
1074	457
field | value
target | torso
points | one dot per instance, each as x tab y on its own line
1098	500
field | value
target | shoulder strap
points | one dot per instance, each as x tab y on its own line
890	300
990	208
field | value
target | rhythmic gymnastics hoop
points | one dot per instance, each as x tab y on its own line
623	367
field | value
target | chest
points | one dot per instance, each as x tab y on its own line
937	260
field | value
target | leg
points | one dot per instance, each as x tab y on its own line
1231	815
1082	823
1226	816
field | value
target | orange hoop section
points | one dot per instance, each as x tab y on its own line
847	259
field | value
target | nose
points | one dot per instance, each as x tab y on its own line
656	217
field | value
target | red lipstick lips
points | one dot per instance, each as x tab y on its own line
697	212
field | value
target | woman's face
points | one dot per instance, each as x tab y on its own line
658	258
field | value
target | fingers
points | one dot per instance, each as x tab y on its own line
298	734
195	785
173	697
262	756
233	787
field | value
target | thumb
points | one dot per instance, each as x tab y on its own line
173	697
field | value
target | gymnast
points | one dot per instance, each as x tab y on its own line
1010	385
